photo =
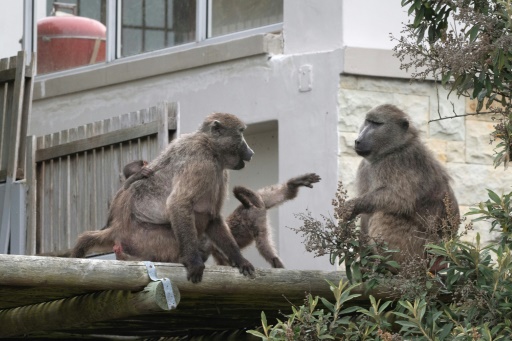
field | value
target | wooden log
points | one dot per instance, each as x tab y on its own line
95	274
84	309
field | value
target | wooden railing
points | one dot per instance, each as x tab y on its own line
72	175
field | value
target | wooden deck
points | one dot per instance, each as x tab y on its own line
50	297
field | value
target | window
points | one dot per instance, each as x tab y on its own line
148	25
73	33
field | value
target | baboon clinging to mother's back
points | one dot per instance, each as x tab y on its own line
401	185
163	217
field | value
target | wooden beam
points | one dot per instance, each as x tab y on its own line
96	274
84	309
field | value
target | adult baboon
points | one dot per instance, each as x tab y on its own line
401	186
162	217
249	221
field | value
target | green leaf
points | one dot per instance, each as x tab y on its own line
349	310
481	95
256	333
419	17
494	197
473	33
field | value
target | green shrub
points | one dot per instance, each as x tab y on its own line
471	299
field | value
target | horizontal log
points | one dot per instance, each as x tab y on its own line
82	310
94	274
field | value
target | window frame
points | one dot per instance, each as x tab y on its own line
113	41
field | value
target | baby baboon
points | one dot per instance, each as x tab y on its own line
249	221
400	184
135	171
162	218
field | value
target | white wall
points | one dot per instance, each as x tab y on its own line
11	27
368	23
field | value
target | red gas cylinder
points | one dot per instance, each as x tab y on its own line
69	41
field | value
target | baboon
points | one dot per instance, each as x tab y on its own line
249	221
162	218
400	184
135	171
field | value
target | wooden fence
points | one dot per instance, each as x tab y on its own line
72	175
16	85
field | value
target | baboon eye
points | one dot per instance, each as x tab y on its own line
375	122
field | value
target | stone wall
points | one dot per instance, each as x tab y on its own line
461	144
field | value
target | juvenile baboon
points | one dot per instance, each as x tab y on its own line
162	218
400	184
135	171
249	221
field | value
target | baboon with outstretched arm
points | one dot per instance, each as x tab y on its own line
249	221
400	184
163	217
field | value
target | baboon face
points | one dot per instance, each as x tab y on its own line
228	132
385	129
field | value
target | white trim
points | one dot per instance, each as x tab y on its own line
372	62
112	30
29	28
201	16
128	69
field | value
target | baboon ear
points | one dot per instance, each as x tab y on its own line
216	126
404	123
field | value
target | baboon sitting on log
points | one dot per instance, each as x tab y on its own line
162	218
401	185
249	221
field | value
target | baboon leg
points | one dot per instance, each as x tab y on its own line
219	234
266	248
247	197
97	240
219	258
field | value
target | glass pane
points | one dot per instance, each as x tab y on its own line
149	25
72	34
229	16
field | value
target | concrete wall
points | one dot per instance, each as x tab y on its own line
461	144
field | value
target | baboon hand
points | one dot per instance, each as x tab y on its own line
245	267
305	180
195	268
276	263
349	211
146	172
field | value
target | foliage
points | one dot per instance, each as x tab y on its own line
342	241
498	209
467	46
470	299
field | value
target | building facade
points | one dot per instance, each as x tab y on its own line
302	80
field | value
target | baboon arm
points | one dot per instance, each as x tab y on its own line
277	194
383	199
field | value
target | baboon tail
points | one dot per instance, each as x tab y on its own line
248	197
92	240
